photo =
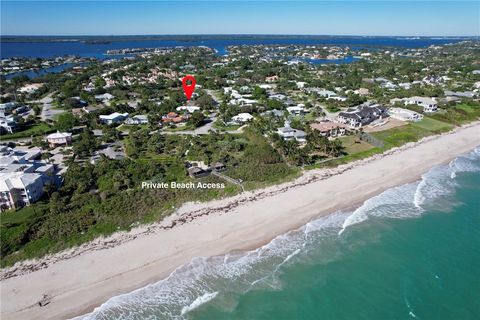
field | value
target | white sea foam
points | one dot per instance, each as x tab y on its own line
409	200
397	202
220	278
199	301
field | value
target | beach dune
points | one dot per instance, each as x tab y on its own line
77	285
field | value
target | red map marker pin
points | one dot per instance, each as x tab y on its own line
188	88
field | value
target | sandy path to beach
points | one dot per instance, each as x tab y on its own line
79	284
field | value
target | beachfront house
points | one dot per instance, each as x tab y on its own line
404	114
429	104
330	129
22	177
18	189
289	133
362	115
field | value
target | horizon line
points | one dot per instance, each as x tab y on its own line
232	34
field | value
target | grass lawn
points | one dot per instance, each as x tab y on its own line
432	125
13	217
458	114
469	109
128	127
180	128
353	144
400	135
33	130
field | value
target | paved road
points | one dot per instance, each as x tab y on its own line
213	95
48	111
198	131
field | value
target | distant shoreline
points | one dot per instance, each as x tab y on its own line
77	280
193	38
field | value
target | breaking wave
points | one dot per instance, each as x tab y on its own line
219	280
199	301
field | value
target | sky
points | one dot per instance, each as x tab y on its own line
402	18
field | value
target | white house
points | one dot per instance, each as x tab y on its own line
241	101
189	109
104	97
326	93
297	110
22	177
30	88
113	118
7	108
59	139
428	104
242	118
18	189
138	119
265	86
404	114
8	124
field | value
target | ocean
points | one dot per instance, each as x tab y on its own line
411	252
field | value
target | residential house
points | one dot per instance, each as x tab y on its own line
104	97
288	133
404	114
30	88
8	124
362	92
297	110
173	117
459	94
326	93
189	109
22	177
272	78
274	113
7	108
428	104
18	189
362	115
330	129
241	118
137	120
113	118
59	139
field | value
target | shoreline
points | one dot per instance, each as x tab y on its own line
77	277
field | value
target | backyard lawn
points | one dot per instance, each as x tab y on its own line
33	130
353	144
432	125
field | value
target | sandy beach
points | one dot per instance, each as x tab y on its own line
78	280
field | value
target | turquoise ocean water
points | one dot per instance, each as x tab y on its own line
412	252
